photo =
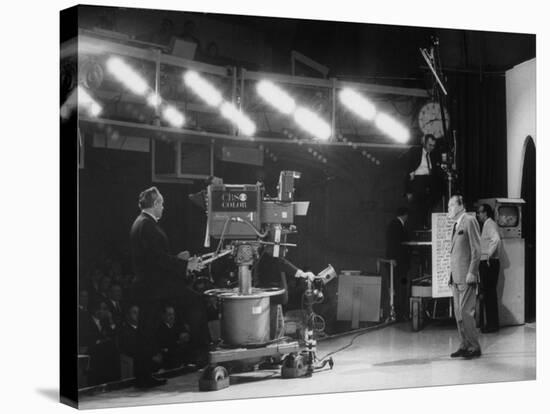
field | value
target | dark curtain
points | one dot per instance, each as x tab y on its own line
528	193
478	111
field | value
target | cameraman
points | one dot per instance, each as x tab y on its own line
160	278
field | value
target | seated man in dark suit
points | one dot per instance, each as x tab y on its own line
423	182
396	234
128	333
172	339
97	336
114	303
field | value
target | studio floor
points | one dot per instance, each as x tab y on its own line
390	357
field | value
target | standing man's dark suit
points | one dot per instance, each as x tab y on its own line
160	279
464	277
396	234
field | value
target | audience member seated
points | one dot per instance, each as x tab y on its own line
172	340
97	336
84	318
114	303
103	289
128	332
91	284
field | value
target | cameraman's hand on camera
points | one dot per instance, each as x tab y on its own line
409	197
304	275
184	255
194	264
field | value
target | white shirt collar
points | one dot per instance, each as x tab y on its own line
150	215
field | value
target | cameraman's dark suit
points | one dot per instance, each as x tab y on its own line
425	189
160	280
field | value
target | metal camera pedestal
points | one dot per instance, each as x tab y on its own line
245	326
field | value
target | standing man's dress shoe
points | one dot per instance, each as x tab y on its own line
458	353
475	353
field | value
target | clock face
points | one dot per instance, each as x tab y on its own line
429	119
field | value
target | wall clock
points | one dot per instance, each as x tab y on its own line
429	119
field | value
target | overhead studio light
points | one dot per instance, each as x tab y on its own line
391	127
245	125
276	97
358	104
202	88
174	117
154	99
312	123
87	102
127	76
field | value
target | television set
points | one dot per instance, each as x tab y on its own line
507	213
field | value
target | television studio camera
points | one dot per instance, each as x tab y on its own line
246	220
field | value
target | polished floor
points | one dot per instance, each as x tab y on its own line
391	357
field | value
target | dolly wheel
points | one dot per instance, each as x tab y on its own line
214	378
293	366
288	361
216	373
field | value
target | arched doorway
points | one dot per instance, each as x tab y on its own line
528	193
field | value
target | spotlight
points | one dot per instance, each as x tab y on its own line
174	117
312	123
127	76
95	109
87	102
391	127
202	88
153	100
276	97
245	125
358	104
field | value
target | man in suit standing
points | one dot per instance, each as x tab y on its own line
160	278
489	268
422	186
396	234
465	255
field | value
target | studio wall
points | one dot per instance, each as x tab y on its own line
521	120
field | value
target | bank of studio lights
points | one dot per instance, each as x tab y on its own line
213	97
131	79
365	109
284	103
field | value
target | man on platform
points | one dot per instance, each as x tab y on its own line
422	184
464	277
489	268
160	278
